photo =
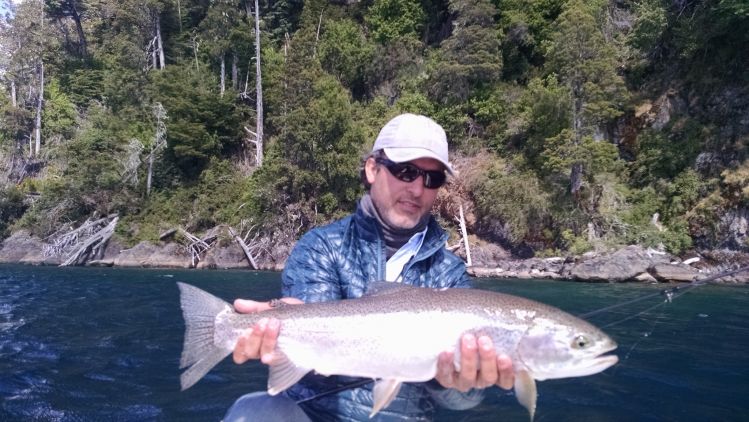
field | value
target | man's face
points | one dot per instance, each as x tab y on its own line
401	204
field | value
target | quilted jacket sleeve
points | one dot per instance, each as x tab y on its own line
310	273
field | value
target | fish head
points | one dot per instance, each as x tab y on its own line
561	349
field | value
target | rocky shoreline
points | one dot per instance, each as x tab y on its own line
629	264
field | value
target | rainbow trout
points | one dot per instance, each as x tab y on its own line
394	334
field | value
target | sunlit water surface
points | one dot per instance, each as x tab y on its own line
85	344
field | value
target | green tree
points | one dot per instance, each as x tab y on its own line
527	25
345	53
587	65
471	56
59	118
202	123
389	20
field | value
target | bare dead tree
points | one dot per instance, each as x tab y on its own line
462	223
258	133
132	161
197	246
77	245
159	142
38	119
242	242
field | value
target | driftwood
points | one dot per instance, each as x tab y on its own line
196	245
89	239
464	233
245	248
167	234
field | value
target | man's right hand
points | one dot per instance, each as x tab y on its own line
260	341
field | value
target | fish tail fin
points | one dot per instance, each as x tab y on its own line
199	353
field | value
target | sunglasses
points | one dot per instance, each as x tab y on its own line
406	172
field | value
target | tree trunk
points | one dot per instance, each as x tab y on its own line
223	74
154	61
39	104
317	34
159	43
13	99
576	179
158	144
244	247
179	15
83	45
195	46
149	175
234	71
258	89
464	233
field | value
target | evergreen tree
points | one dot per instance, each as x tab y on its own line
472	59
587	65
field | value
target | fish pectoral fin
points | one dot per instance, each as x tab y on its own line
384	392
525	391
283	374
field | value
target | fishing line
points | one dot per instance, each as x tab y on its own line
669	294
355	384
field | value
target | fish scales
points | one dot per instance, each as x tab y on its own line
395	334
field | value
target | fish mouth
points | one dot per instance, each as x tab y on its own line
597	364
583	368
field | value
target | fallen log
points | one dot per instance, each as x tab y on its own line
93	245
244	247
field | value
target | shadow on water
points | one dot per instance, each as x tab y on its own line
80	344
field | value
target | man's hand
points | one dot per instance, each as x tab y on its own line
480	367
260	341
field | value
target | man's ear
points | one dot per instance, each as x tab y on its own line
370	168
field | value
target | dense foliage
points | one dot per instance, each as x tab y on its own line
578	124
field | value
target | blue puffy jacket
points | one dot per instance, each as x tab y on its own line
339	261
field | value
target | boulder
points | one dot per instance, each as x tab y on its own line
646	278
624	264
674	272
225	257
147	255
23	247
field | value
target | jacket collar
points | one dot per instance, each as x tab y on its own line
370	231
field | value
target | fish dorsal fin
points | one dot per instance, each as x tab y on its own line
525	391
283	374
382	288
384	392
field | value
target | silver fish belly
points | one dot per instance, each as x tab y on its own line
394	334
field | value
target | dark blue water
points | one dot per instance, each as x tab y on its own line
83	344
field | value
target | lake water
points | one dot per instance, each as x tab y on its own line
87	344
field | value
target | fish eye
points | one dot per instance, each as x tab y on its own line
580	342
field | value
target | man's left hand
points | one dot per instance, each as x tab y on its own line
480	367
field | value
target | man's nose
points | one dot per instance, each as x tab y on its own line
416	187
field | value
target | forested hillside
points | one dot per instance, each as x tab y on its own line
574	125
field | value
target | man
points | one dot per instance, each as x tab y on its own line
393	237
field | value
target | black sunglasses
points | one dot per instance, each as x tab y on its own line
407	172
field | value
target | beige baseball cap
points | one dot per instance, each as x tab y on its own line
408	137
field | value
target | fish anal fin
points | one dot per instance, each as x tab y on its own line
525	391
384	392
283	374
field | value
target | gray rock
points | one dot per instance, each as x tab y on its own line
646	278
624	264
148	255
225	257
23	247
674	272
